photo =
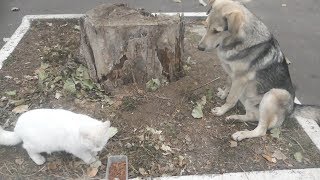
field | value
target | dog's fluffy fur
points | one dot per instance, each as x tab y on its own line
257	69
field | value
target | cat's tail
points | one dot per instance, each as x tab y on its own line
9	138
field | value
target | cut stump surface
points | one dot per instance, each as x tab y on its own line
121	45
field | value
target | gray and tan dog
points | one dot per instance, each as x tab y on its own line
257	69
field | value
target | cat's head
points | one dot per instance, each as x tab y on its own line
95	137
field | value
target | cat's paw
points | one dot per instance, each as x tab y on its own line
38	159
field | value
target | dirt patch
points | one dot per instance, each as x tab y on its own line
118	171
156	129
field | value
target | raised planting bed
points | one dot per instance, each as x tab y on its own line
156	129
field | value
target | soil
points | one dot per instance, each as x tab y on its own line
117	171
155	129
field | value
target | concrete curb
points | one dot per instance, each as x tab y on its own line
309	125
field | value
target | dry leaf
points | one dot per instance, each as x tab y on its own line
20	109
58	95
298	156
269	158
52	165
182	161
141	137
153	131
19	161
279	155
92	171
143	172
233	144
96	164
166	148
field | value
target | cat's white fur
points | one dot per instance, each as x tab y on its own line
50	130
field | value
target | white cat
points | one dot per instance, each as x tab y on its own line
50	130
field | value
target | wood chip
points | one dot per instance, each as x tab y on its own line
269	158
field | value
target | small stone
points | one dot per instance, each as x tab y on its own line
188	139
58	95
15	9
128	145
233	144
143	172
76	27
19	161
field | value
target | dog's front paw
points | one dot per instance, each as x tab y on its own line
218	111
240	135
222	94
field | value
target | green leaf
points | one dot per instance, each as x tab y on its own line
57	79
197	111
82	73
41	71
153	84
11	93
275	132
69	86
298	156
87	84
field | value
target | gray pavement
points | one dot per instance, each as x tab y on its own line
296	25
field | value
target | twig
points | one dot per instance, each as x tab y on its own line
5	165
27	175
161	97
245	173
134	168
297	143
147	151
205	84
5	173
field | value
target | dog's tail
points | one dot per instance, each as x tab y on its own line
9	138
307	111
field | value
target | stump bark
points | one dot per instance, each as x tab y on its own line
121	45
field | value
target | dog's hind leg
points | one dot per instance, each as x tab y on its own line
272	112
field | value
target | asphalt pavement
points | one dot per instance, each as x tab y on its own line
295	23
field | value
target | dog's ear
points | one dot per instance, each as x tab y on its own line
235	21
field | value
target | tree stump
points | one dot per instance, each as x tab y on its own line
121	45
